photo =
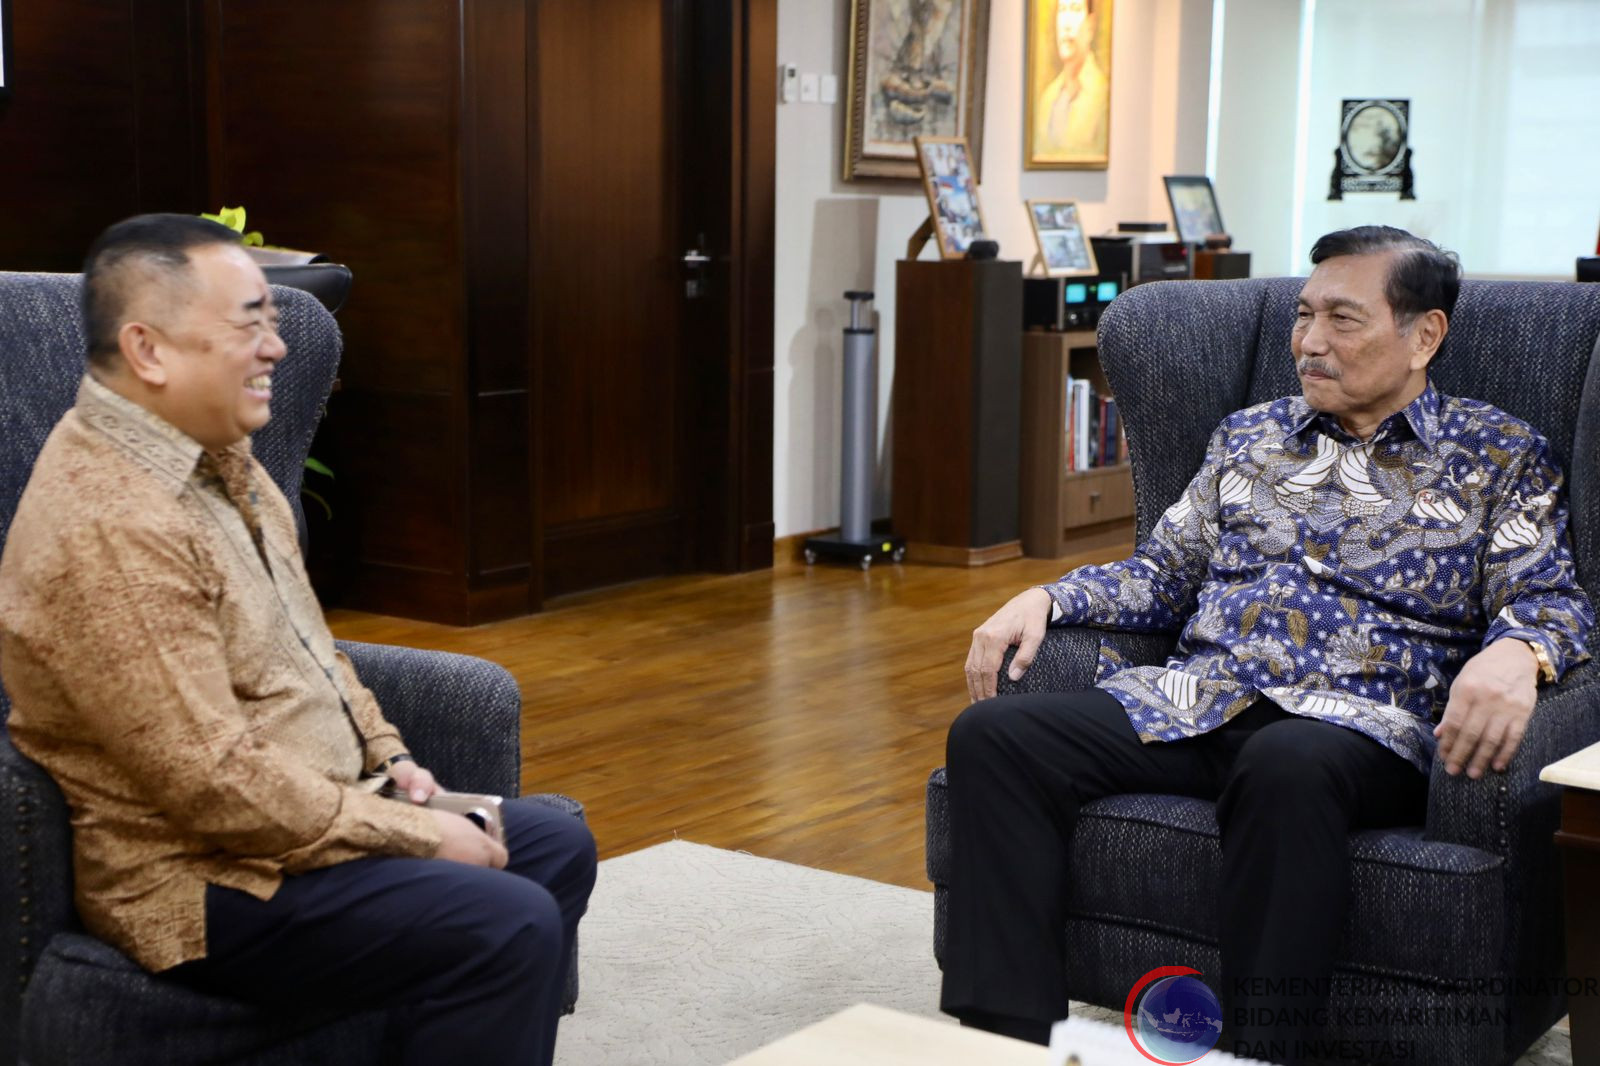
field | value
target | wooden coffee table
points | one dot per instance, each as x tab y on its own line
865	1035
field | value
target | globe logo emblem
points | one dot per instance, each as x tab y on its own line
1172	1016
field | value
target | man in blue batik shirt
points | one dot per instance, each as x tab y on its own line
1367	577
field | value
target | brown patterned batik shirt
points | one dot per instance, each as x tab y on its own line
168	664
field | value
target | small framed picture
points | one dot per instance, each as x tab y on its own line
1063	247
952	193
1194	207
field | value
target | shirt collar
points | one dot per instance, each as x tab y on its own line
1421	416
146	436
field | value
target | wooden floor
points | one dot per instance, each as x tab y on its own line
793	713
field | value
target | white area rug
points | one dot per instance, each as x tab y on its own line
693	956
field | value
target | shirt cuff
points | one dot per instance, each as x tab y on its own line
381	749
1069	605
1552	647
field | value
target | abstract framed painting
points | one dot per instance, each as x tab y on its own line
917	69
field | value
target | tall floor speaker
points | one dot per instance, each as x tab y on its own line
956	412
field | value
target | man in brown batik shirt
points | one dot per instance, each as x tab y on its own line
169	666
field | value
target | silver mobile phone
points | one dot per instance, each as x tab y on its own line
481	810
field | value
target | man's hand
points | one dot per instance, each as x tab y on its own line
462	841
1022	622
413	780
1491	701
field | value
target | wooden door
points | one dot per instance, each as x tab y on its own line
613	390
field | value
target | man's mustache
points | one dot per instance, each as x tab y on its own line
1311	364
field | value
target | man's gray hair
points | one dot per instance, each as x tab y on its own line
1422	277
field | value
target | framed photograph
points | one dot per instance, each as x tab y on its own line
1067	123
917	69
952	190
1194	207
1063	247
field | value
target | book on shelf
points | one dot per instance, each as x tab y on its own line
1093	429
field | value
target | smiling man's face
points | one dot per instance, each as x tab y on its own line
218	345
1354	359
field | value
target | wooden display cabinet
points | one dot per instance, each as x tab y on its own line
1065	511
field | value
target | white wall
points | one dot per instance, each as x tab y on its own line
1505	127
1255	154
834	235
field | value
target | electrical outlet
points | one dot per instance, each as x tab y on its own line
809	90
830	88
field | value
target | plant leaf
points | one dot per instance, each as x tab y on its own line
325	508
1299	629
316	466
1247	622
232	217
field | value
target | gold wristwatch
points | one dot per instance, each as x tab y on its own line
1547	669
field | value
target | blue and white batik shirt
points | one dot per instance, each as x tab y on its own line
1344	580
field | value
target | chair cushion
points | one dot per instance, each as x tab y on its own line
88	1002
1153	861
1381	1020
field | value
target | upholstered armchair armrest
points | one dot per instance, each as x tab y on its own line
1506	813
461	716
1066	661
36	851
1069	655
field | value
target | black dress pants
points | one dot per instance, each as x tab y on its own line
1289	790
473	960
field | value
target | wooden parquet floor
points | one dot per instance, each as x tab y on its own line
793	713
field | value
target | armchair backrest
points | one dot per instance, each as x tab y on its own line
1182	355
42	359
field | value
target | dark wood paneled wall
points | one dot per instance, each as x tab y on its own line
602	157
607	290
496	203
401	137
358	130
101	124
736	59
757	164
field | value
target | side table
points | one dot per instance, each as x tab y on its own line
1579	838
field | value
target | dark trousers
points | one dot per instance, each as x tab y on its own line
1289	790
473	960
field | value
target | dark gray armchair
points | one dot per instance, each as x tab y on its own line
66	997
1473	894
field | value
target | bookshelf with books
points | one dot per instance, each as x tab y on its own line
1076	489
